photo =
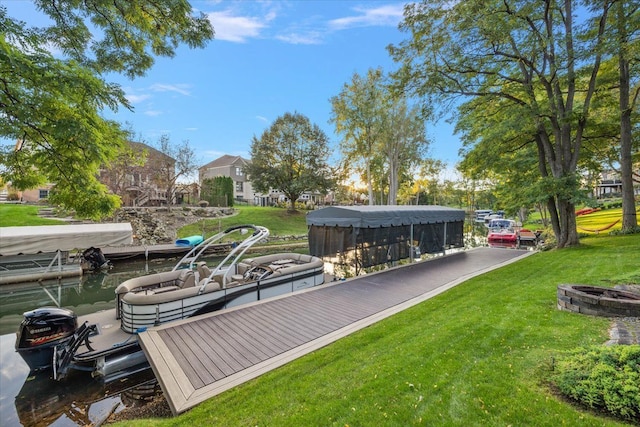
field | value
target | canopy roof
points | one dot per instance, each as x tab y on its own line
50	238
382	216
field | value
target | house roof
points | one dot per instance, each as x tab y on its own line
142	146
382	216
225	160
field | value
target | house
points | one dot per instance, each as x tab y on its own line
233	167
32	195
145	183
610	185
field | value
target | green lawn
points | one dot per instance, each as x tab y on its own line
14	215
277	220
477	355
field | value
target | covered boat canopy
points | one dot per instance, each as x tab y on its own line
372	235
382	216
51	238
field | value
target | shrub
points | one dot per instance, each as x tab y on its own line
604	378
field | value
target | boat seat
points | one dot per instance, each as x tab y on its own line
211	286
203	270
186	279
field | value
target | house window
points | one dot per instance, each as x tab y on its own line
239	171
239	186
43	194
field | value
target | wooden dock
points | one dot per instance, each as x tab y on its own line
198	358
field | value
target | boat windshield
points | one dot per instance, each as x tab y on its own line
500	223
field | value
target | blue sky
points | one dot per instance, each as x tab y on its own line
267	58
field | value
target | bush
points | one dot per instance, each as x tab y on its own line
604	378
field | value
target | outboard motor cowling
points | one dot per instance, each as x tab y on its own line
40	331
95	258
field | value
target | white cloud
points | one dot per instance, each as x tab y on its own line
134	99
262	119
182	89
313	37
152	113
191	129
388	15
235	28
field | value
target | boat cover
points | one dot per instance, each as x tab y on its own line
190	241
383	216
371	235
50	238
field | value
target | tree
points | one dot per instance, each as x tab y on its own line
52	105
179	161
403	142
523	54
218	191
290	156
626	26
357	113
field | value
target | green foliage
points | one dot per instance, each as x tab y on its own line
604	378
218	191
494	56
53	106
291	156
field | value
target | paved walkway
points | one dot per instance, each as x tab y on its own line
201	357
626	330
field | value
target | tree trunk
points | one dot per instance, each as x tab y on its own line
369	183
629	217
292	205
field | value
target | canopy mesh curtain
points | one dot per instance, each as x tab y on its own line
380	245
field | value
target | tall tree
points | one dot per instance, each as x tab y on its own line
291	156
357	113
403	142
523	53
52	105
626	27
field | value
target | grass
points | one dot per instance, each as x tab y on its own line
599	222
277	220
14	215
476	355
603	221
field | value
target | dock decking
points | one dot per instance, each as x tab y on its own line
198	358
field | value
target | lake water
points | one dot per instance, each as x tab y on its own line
37	400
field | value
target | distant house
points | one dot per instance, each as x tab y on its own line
233	167
31	195
141	185
610	185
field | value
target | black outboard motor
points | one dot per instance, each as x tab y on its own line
40	331
95	258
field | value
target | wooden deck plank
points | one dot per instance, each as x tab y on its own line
262	336
214	354
241	350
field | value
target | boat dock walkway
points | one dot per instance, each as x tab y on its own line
195	359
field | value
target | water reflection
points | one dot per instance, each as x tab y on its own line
80	400
36	400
